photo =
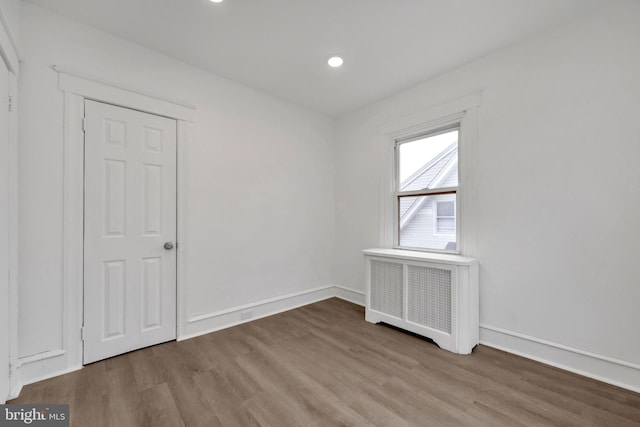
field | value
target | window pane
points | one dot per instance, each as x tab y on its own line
446	208
420	227
430	162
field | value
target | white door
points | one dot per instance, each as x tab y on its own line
130	230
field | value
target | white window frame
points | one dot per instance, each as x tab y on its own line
454	124
463	112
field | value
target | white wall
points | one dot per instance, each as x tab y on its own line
558	199
11	11
259	191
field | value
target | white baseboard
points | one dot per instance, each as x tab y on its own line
42	366
602	368
15	390
211	322
351	295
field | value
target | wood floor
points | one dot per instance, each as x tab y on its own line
323	365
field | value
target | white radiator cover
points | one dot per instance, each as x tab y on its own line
433	295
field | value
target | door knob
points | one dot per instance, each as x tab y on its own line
168	246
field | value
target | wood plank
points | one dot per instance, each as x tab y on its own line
159	408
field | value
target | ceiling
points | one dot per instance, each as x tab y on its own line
281	46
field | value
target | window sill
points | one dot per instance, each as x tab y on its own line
452	259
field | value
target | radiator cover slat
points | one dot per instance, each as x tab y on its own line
429	298
386	286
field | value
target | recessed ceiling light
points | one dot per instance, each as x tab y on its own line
216	1
335	61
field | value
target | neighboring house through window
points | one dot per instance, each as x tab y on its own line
445	217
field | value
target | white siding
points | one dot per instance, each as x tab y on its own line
420	231
451	180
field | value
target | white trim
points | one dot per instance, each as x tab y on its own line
50	375
210	322
351	295
388	213
15	391
607	369
42	366
14	376
439	115
73	227
50	354
467	205
76	89
9	54
113	93
182	246
403	254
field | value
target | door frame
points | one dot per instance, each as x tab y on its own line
77	88
10	57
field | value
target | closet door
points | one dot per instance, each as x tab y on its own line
130	230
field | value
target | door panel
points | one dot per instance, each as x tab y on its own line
130	212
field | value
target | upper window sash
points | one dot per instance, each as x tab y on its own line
426	134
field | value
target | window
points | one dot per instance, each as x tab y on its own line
427	190
446	217
430	157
